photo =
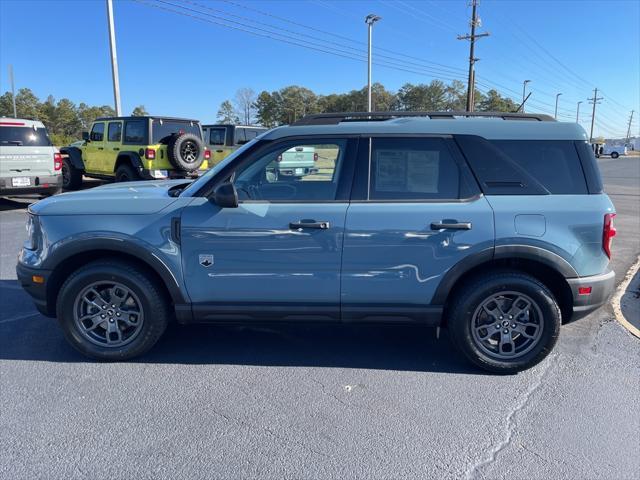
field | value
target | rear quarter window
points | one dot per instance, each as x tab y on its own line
524	167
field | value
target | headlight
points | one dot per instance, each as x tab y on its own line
32	232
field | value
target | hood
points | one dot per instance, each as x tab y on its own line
127	198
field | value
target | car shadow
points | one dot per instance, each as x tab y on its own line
27	335
18	203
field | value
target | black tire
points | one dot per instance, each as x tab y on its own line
153	308
614	155
71	176
185	152
126	173
465	314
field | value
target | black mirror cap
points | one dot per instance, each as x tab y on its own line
226	195
85	136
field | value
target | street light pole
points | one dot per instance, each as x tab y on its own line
370	20
555	115
578	113
13	92
524	91
114	58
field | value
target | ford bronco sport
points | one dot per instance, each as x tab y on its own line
494	226
29	163
136	148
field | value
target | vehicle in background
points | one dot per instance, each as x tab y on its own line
296	162
136	148
77	143
614	150
29	163
222	139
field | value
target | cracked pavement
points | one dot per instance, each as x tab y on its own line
319	402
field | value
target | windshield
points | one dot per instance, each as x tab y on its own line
24	136
200	182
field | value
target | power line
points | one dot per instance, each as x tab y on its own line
595	100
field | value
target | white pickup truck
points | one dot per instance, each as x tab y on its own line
297	162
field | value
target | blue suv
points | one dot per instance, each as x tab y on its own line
494	226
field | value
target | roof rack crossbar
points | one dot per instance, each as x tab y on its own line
338	117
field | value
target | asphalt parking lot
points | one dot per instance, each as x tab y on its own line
319	402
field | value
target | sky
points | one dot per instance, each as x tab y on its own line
184	57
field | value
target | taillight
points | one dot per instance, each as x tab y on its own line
608	232
150	154
57	161
279	159
207	154
315	157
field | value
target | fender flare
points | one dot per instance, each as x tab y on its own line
143	252
525	252
132	157
75	156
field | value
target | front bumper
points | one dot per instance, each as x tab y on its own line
601	289
37	291
45	185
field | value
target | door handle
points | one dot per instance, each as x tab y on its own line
116	148
100	148
451	226
309	224
218	151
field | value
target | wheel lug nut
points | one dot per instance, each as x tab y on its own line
501	317
513	325
505	331
104	307
118	314
510	316
103	315
498	326
111	320
113	306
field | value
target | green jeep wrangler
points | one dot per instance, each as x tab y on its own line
136	148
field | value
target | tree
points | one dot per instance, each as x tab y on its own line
139	111
423	96
88	114
27	104
244	100
227	114
267	113
494	102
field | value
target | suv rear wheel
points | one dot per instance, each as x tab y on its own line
110	310
504	322
71	176
126	173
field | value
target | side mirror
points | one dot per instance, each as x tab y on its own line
85	136
226	196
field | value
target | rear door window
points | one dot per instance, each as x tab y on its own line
114	133
216	136
415	169
24	136
240	138
135	132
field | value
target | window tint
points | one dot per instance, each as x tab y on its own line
97	132
216	136
553	163
24	136
114	133
240	136
163	129
414	168
293	172
135	131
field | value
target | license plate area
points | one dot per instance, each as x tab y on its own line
20	182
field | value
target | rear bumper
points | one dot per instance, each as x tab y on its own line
37	291
601	289
41	185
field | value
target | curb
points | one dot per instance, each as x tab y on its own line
615	301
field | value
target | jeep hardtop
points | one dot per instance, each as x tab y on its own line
494	226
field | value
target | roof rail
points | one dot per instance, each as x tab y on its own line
338	117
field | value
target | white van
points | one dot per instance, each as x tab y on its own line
29	163
614	150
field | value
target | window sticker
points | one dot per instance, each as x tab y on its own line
391	170
422	171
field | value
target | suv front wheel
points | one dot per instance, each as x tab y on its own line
110	310
504	322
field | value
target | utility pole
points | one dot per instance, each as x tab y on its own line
578	112
629	127
370	20
472	59
595	100
13	91
524	91
555	114
114	58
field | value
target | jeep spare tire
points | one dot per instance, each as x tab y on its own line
185	151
